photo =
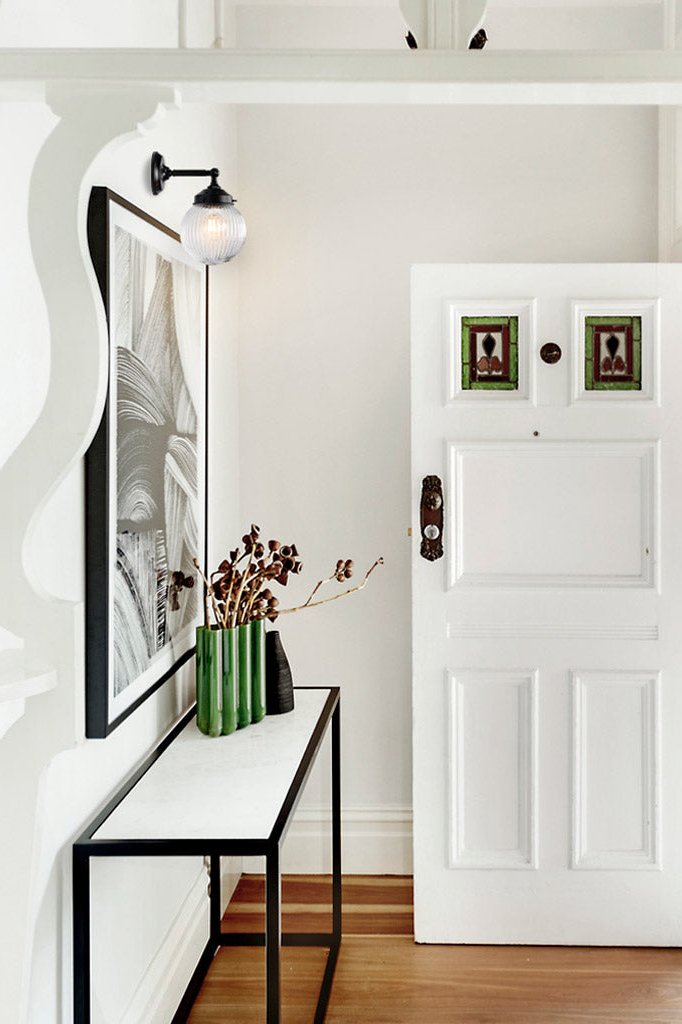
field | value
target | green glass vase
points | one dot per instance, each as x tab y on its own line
209	681
258	708
230	674
244	673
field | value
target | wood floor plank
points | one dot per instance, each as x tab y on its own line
384	977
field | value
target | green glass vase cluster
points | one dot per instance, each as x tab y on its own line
230	675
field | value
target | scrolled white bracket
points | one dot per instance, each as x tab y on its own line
91	118
443	24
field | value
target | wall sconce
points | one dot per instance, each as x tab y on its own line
213	230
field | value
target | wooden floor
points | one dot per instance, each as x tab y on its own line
382	977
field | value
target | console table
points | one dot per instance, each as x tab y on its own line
197	796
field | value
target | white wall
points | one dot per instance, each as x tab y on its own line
342	202
543	25
90	23
43	808
369	26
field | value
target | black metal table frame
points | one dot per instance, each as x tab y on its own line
85	847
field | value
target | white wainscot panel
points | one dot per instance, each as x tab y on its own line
552	514
615	770
493	770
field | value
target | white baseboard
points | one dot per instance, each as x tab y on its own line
163	983
375	841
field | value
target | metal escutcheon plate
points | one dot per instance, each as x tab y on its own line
550	352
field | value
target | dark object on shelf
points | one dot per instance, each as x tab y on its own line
479	40
279	686
411	41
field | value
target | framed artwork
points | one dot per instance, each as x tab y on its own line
146	468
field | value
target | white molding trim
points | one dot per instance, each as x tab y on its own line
648	857
549	631
375	841
646	451
651	77
649	311
157	996
669	194
18	682
525	856
526	312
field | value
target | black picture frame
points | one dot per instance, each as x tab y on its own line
105	708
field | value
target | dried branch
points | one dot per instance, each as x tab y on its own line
343	571
353	590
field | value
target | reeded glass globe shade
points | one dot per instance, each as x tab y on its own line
213	234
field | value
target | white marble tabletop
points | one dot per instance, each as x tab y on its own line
229	787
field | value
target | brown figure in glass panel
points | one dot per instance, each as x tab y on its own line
489	353
613	353
613	363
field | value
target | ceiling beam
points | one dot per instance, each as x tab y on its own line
386	76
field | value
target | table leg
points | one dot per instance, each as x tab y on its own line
81	936
273	935
215	901
336	823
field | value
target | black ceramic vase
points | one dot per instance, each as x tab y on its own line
279	686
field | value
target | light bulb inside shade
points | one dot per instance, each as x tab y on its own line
213	234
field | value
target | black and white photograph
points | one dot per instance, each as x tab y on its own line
149	455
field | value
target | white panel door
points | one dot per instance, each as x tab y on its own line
547	682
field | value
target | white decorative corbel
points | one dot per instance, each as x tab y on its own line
41	682
443	24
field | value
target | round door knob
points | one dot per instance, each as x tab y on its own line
431	532
433	500
550	353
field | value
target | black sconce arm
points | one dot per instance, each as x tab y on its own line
160	173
